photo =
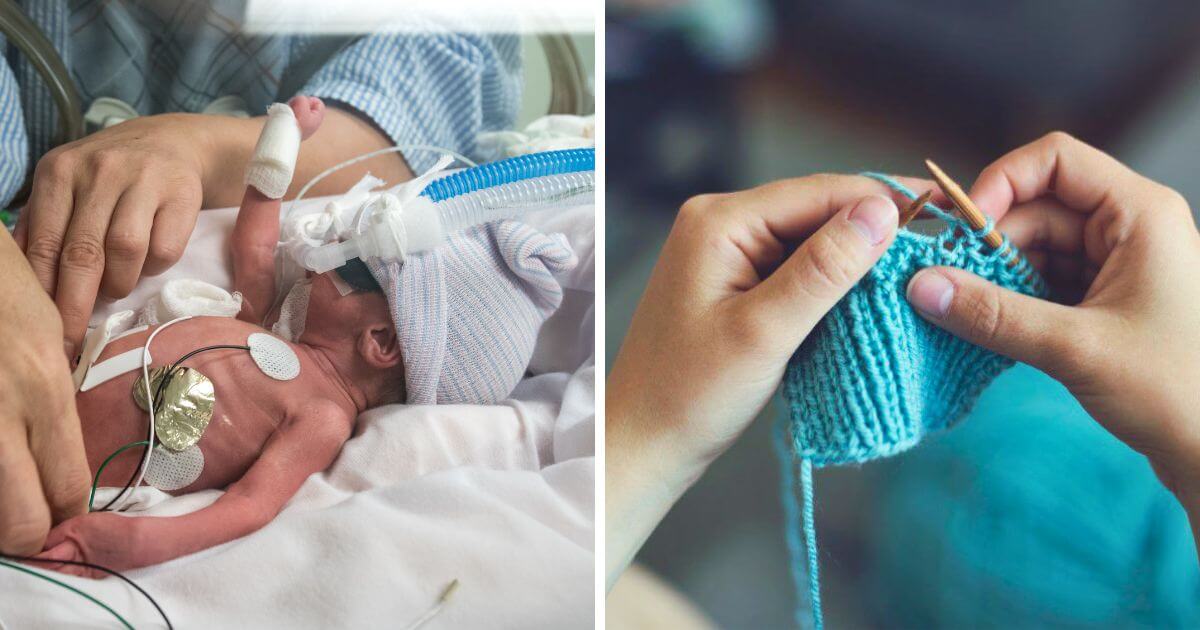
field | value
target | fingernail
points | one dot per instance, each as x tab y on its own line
69	349
874	217
930	292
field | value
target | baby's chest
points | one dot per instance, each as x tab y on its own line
247	410
217	405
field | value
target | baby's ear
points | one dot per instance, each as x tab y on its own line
380	346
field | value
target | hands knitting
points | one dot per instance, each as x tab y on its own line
1126	251
727	305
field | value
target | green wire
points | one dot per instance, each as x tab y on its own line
69	588
96	481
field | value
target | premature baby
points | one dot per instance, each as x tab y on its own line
456	324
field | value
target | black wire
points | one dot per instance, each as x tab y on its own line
104	569
206	349
172	369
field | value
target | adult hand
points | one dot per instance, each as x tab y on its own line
43	469
122	202
1130	350
109	207
727	305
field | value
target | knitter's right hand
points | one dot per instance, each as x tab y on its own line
1128	250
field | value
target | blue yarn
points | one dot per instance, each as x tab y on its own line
810	543
511	170
874	378
805	617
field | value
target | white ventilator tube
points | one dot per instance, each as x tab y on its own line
422	224
274	160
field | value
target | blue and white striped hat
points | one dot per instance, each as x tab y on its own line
468	312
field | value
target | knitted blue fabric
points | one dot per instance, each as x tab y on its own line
874	378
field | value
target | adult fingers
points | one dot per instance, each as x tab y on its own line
791	301
81	265
792	209
173	225
1079	175
1045	225
1020	327
56	442
761	224
21	231
24	517
51	202
128	241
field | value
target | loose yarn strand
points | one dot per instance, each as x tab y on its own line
800	519
810	544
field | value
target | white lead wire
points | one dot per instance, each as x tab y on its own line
124	498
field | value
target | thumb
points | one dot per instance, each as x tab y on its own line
825	267
1015	325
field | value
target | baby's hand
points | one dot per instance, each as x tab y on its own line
101	538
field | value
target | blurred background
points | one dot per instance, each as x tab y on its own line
1027	516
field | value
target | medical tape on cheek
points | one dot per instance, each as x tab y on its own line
293	311
343	288
274	160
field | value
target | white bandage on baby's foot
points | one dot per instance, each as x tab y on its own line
274	161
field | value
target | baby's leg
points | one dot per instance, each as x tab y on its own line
257	230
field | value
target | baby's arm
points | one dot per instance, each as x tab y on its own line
256	232
300	447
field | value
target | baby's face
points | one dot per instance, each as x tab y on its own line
330	312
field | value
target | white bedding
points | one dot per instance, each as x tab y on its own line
498	497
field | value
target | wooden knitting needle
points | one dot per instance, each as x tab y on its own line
975	218
914	208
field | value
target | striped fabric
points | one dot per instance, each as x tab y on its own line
180	56
468	313
14	143
453	87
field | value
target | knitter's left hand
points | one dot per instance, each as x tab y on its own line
727	305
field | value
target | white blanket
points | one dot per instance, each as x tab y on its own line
499	498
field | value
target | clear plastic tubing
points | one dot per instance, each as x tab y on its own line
505	189
509	201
